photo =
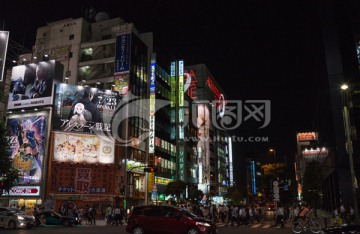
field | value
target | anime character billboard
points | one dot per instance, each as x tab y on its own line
26	134
83	109
33	84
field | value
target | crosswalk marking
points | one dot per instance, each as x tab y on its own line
256	225
259	225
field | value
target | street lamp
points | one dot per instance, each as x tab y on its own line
274	152
350	149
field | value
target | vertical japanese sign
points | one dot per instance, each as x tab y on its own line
172	84
181	161
82	180
123	53
181	83
181	99
231	170
152	105
253	177
4	40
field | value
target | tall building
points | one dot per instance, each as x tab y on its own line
116	109
213	146
339	24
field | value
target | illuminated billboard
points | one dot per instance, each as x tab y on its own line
4	40
83	109
27	138
152	87
33	84
121	83
307	136
82	148
122	54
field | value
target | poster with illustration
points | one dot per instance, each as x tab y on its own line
83	109
80	148
26	134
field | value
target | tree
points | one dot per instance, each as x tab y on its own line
196	194
235	197
312	183
175	187
273	170
9	176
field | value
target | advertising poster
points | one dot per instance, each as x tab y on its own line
83	109
33	84
121	83
26	134
80	148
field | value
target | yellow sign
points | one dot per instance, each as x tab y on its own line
151	181
161	180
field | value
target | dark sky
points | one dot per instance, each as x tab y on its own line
259	50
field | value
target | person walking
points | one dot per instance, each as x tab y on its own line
117	216
279	217
108	214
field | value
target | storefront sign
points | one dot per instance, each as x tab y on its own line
24	191
162	180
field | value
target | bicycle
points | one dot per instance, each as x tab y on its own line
303	224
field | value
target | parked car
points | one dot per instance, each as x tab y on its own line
15	218
54	218
167	219
342	229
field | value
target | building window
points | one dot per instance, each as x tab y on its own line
71	37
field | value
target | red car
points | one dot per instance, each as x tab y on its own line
167	219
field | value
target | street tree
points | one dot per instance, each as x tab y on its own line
235	197
274	170
312	183
271	172
9	176
175	187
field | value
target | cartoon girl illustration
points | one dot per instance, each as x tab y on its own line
30	145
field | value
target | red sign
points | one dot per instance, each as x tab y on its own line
306	136
24	191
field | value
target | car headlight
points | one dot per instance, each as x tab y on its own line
20	218
202	224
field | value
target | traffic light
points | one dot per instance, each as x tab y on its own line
122	190
150	169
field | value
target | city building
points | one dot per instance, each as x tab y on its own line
113	110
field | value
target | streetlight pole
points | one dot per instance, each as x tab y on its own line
350	151
274	152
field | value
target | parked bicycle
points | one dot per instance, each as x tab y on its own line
305	224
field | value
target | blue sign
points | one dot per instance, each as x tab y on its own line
122	55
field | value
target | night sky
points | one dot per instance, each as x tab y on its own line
256	50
